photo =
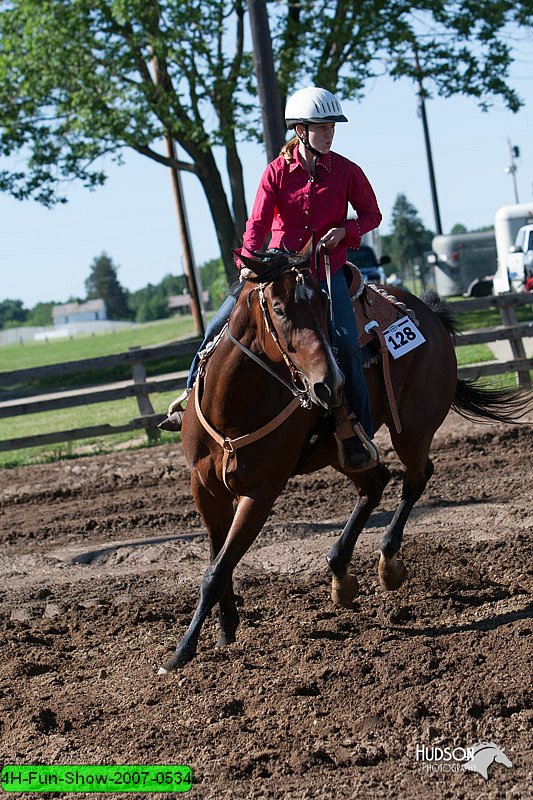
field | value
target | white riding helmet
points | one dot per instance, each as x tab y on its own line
312	105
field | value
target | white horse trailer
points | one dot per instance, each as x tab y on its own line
509	220
463	262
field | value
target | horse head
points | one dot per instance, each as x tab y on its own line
485	754
291	318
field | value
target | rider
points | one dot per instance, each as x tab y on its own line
307	190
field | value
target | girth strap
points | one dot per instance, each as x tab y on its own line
373	327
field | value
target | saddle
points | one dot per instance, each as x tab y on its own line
372	304
375	310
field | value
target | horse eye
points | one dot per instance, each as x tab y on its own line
278	311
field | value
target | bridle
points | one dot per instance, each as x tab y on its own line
298	385
302	397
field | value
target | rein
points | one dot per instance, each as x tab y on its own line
301	396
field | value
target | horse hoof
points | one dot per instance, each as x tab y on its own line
344	590
224	639
181	657
392	573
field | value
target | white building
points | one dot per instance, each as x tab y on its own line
90	311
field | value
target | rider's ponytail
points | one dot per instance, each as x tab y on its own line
287	151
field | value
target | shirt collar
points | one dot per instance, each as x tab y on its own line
324	162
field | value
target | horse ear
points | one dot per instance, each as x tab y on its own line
255	264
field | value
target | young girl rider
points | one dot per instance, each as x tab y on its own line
307	190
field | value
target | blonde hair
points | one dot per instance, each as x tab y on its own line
287	151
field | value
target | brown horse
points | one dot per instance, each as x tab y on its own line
281	322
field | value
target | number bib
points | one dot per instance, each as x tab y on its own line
402	337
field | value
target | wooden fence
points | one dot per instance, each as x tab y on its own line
13	402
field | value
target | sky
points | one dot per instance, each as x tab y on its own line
45	255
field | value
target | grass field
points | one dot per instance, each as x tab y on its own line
122	411
40	354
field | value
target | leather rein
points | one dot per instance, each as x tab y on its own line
301	395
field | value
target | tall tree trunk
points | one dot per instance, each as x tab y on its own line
234	166
225	228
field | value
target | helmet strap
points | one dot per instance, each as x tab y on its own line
316	153
305	141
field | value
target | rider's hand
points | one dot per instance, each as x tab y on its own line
245	273
333	237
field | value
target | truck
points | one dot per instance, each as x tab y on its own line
510	220
464	263
520	257
367	260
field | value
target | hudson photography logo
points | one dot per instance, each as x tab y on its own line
476	758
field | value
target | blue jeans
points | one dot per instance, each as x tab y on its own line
345	339
214	327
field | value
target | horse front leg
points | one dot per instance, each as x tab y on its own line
216	583
217	512
370	486
391	570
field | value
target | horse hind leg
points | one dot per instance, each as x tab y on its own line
391	570
370	486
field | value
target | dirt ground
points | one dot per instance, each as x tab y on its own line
99	574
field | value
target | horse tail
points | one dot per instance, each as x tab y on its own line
443	311
476	403
471	401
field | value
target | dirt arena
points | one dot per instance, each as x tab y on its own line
99	574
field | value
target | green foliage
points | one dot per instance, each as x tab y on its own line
151	302
213	279
12	313
40	315
458	228
81	80
409	239
463	47
103	283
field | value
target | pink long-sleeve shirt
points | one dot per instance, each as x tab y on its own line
292	206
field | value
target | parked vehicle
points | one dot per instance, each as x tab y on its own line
464	263
509	220
520	256
370	265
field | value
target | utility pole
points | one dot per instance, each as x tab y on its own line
183	226
514	152
267	87
422	107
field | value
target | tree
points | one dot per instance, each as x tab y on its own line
81	79
12	313
40	314
103	283
151	302
409	239
214	280
458	228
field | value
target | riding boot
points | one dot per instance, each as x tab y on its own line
356	452
175	412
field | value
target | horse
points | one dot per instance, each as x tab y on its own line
243	439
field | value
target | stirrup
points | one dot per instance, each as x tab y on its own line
347	425
177	404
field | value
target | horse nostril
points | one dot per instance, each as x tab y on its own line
322	393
